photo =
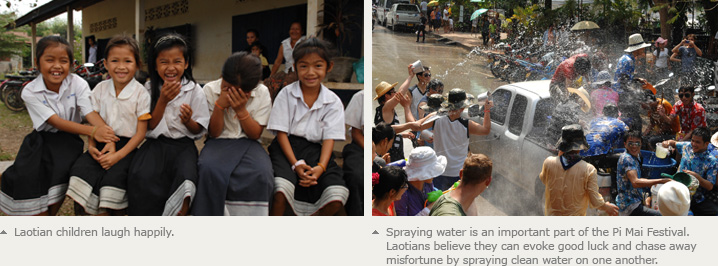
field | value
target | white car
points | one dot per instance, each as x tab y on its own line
403	15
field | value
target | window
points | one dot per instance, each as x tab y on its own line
518	110
544	109
501	99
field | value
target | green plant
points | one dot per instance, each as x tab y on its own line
338	20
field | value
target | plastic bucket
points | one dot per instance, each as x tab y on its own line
652	165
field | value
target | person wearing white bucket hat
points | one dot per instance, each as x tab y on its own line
627	63
422	167
674	199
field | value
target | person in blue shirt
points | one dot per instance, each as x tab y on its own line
629	181
697	161
627	63
688	51
605	134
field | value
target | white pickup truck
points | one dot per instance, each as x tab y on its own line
403	15
518	144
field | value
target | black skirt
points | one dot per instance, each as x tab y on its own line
235	178
162	174
354	178
39	176
95	188
306	200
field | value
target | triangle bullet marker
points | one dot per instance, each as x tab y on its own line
3	232
375	233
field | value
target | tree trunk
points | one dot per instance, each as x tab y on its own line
547	4
665	27
711	10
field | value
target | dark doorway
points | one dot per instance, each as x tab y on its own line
272	25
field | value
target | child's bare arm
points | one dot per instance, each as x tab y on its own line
110	159
186	117
99	130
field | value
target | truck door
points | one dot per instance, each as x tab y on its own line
511	141
494	142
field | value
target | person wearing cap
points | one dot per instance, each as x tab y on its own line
388	99
475	178
603	94
570	182
661	67
572	111
451	135
422	167
674	199
567	74
435	87
688	51
697	161
629	181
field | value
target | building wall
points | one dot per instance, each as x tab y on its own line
211	20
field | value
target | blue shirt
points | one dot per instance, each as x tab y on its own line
688	55
604	134
627	194
704	163
626	65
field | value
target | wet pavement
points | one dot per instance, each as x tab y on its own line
451	61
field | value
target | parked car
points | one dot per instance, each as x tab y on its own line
518	145
383	8
403	15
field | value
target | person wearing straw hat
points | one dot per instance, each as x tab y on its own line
629	181
475	178
422	167
388	99
674	199
570	182
451	135
627	63
697	161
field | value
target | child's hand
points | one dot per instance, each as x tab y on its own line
303	172
109	148
105	134
238	99
169	91
316	172
185	113
95	153
109	159
223	100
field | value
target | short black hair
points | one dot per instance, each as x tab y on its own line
390	177
632	134
242	70
52	40
426	68
435	84
702	132
122	39
687	88
256	33
582	65
610	110
312	46
381	132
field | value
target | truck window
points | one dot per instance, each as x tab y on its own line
518	110
541	121
410	8
501	98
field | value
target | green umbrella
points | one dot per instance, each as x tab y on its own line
478	13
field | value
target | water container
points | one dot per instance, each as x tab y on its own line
653	165
654	196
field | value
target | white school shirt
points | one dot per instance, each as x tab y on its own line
451	139
71	103
259	105
354	114
287	51
121	112
290	114
171	124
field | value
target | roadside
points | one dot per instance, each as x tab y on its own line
466	40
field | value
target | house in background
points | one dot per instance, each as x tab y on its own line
215	28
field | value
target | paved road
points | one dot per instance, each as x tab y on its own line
456	66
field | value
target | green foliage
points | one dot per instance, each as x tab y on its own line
57	26
10	44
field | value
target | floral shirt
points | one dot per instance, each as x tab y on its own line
692	117
626	65
704	163
628	196
604	134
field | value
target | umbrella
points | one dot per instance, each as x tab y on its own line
433	3
585	25
478	13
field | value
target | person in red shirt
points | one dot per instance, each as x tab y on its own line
691	113
388	185
566	73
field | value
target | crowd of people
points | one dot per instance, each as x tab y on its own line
601	121
142	158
